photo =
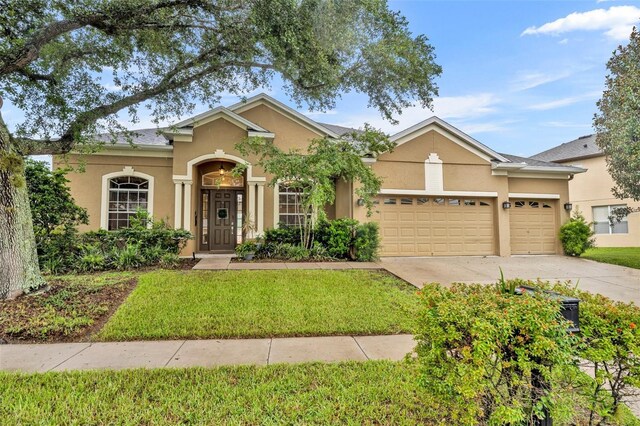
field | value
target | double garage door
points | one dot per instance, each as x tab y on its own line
443	226
427	226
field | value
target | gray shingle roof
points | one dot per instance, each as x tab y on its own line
339	130
530	161
584	146
139	137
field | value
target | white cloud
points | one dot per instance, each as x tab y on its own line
566	124
559	103
450	108
617	22
529	80
564	41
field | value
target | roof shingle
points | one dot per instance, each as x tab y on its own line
584	146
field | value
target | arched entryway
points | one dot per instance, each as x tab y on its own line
221	206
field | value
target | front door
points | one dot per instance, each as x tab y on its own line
219	219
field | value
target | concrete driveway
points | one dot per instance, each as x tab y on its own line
616	282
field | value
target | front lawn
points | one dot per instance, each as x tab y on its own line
623	256
244	304
348	393
72	307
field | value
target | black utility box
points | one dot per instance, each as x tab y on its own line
570	305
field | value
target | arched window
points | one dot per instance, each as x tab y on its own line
127	195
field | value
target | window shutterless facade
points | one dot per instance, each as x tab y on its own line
127	195
602	224
290	205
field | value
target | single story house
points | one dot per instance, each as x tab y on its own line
591	192
444	193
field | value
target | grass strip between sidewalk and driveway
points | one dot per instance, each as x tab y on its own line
623	256
251	304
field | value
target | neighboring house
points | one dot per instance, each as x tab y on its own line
591	192
444	193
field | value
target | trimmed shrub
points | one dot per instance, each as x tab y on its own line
367	242
337	236
486	354
283	234
576	235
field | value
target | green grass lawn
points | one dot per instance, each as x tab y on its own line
624	256
348	393
372	392
243	304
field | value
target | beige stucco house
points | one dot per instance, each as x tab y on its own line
444	193
591	192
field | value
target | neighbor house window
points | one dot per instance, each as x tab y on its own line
127	195
602	224
290	205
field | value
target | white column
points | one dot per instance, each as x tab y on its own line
177	213
260	212
251	198
187	206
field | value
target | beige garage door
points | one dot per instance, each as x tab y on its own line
533	227
426	226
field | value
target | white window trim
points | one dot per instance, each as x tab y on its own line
126	171
609	206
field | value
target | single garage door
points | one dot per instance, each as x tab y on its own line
426	226
533	227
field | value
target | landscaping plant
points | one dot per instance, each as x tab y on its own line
576	235
493	357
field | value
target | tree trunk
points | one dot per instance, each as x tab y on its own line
19	270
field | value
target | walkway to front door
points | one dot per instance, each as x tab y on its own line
221	213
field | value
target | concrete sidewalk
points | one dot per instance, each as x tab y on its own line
201	353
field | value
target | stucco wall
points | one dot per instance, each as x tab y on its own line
86	187
593	188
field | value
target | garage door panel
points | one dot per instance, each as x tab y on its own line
533	227
452	228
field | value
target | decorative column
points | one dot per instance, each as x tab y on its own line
251	206
260	212
177	213
187	206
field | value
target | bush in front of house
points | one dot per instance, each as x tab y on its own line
55	216
609	345
576	235
481	352
340	239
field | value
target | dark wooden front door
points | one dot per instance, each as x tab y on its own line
218	224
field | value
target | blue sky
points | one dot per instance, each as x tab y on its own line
520	76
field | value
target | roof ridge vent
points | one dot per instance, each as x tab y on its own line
585	136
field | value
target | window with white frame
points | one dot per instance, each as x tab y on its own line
290	205
127	195
602	224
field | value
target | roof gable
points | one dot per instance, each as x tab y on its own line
216	113
452	133
264	99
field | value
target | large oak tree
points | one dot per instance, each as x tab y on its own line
71	66
617	123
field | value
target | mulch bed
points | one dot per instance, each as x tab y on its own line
71	309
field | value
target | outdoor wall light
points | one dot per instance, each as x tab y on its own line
568	206
506	205
360	202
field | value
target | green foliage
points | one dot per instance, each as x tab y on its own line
169	260
248	247
367	242
610	344
171	54
480	350
576	235
315	171
55	215
617	123
337	236
282	234
128	257
333	239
